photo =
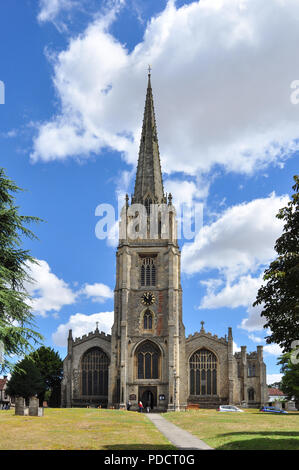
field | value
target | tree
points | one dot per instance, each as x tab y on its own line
17	331
280	296
26	380
290	379
50	367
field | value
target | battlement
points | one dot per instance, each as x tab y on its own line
209	335
95	334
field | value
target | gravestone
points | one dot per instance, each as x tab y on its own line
34	408
20	408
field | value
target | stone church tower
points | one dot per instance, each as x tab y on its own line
148	335
147	356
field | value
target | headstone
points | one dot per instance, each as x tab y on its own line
33	406
20	406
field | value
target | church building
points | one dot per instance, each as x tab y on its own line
147	357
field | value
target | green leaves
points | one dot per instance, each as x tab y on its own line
280	296
38	372
16	319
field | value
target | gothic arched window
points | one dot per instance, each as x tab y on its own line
148	361
148	272
250	394
203	373
147	204
148	320
94	373
251	369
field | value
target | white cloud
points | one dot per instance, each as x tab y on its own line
236	348
256	339
241	240
273	349
49	292
81	324
222	71
254	322
50	9
97	292
241	293
272	378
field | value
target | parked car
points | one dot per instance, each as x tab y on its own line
271	409
229	408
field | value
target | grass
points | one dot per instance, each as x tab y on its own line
251	430
80	429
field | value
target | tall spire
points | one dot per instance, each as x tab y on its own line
149	176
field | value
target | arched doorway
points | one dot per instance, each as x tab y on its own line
148	399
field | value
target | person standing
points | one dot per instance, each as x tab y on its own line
140	406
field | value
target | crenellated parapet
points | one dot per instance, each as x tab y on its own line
208	335
91	335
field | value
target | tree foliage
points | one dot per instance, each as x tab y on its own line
26	380
290	378
17	330
50	367
279	297
39	372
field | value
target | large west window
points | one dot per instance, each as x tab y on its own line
203	373
148	361
94	373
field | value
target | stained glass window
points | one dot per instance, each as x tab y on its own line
203	373
148	356
94	373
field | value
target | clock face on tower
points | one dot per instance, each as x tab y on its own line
148	298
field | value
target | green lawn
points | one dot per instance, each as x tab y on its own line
249	430
80	428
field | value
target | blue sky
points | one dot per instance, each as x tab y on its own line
75	78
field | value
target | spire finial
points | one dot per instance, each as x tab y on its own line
202	324
149	69
97	328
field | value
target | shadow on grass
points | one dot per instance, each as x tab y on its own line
139	447
268	441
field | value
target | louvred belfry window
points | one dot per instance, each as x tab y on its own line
148	272
203	373
94	373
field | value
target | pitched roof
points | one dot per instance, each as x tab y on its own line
3	383
275	392
149	174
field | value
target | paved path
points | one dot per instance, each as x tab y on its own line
177	436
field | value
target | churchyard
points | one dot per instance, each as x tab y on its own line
251	430
100	429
